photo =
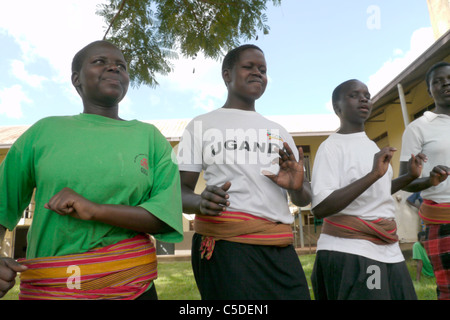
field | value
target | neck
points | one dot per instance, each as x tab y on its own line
109	112
239	104
347	129
442	109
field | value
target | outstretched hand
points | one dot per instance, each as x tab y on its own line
291	173
214	199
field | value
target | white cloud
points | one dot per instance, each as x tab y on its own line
125	110
18	70
11	100
421	40
52	29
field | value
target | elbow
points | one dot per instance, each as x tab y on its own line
319	214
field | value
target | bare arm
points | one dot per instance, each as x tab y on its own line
437	175
68	202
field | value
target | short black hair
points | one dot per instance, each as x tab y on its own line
80	56
421	234
336	95
432	69
232	56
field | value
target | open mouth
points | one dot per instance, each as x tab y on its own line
364	108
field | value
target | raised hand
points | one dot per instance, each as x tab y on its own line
291	173
415	165
381	161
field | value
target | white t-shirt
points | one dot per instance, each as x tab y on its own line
430	134
340	160
236	145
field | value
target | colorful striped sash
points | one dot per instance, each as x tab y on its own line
122	271
434	213
240	227
379	231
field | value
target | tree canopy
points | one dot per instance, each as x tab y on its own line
151	32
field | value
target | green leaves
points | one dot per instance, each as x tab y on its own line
150	32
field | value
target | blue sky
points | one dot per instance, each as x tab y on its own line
311	48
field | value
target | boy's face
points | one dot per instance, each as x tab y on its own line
248	78
103	78
354	104
440	86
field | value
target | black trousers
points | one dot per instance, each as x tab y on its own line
239	271
344	276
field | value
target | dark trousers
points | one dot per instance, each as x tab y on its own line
239	271
344	276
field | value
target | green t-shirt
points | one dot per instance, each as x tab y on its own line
419	253
107	161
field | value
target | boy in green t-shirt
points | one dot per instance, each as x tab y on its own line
420	255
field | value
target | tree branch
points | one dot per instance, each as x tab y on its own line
115	17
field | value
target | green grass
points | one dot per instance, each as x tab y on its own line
176	281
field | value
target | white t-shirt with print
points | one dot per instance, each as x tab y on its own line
237	146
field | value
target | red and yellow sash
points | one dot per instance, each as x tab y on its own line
434	213
240	227
379	231
121	271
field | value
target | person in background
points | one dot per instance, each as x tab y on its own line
429	134
102	186
423	264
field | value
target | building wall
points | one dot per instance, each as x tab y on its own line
440	16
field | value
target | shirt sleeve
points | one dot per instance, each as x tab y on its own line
17	181
164	200
325	178
190	148
411	143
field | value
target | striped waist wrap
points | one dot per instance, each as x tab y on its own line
240	227
122	271
434	213
379	231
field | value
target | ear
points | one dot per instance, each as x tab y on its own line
76	81
336	109
226	76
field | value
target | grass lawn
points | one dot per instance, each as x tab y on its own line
176	281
